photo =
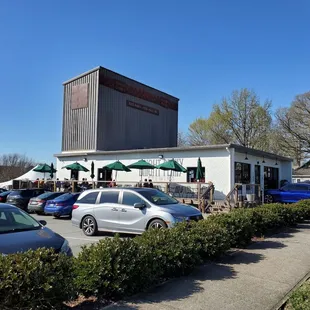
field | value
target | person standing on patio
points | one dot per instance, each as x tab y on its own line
145	184
151	184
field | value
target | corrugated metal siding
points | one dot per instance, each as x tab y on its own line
122	128
80	125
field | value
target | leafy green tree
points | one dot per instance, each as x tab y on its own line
240	118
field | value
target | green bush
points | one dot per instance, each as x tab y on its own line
304	205
175	251
35	280
300	299
238	225
213	239
114	267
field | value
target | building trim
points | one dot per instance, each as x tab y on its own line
237	148
121	75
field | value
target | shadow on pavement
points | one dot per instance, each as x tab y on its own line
268	244
241	257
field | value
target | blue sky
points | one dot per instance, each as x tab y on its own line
198	51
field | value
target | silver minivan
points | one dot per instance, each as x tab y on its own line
129	210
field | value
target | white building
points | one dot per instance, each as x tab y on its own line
224	165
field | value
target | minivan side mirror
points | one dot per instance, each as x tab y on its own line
139	205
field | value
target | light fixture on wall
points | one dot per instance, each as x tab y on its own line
246	156
161	156
263	160
276	161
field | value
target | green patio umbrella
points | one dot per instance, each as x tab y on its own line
44	168
199	172
171	165
76	167
141	165
92	170
117	166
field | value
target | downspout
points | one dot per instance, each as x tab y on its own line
231	176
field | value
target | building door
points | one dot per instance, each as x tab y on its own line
104	175
271	178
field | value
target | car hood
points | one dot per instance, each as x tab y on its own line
30	240
179	209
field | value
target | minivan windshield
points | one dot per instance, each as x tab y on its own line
15	220
157	197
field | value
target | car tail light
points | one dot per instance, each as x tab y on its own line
75	207
1	198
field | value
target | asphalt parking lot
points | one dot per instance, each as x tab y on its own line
74	235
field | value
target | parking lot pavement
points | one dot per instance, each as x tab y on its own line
74	235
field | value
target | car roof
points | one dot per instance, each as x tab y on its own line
135	189
7	206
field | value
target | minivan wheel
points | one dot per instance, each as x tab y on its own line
157	224
89	226
268	199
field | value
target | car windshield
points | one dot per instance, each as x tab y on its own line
15	193
158	198
48	195
67	196
15	220
4	193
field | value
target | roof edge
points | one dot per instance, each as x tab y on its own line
81	75
176	149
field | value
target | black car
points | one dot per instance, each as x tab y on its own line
21	197
4	195
2	190
19	232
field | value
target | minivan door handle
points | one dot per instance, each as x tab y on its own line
114	209
124	210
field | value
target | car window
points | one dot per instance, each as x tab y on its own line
109	197
2	216
16	220
15	193
296	187
130	199
89	198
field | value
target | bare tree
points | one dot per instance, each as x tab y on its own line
294	122
182	139
14	165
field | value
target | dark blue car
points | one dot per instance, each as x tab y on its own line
61	205
289	193
19	232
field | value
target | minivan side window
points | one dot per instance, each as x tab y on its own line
130	199
109	197
90	198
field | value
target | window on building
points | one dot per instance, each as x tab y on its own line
242	173
191	174
109	197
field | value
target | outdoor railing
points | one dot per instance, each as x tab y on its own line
180	190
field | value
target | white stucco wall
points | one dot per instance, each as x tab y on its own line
215	161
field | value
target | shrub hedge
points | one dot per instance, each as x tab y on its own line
36	280
115	267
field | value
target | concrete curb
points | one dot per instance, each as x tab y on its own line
281	304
